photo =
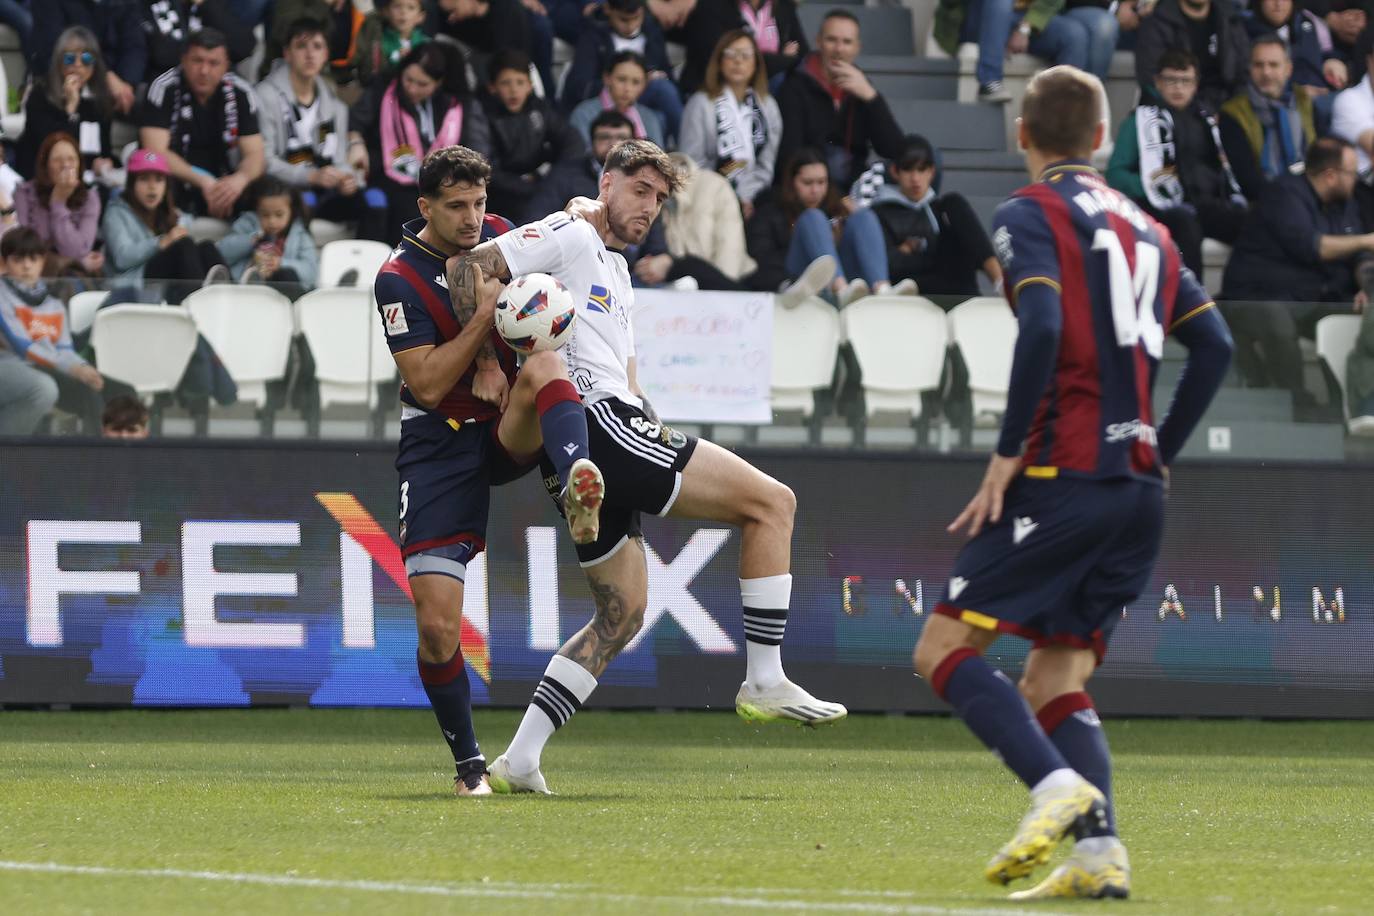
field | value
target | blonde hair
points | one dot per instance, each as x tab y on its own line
1061	110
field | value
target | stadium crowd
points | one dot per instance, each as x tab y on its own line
1255	128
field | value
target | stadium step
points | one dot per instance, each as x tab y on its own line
915	85
951	125
1267	441
1238	404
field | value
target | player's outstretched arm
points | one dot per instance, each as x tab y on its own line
1203	331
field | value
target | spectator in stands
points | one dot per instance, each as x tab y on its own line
1352	116
388	34
774	24
624	26
1346	21
1293	263
305	131
803	220
204	120
17	15
733	126
168	23
124	417
828	104
426	106
72	97
146	237
117	26
623	83
528	137
62	209
271	243
1266	128
343	21
933	239
1212	29
482	27
1169	159
39	367
578	178
1316	65
1079	33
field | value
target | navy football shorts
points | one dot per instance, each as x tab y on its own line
641	463
1062	564
446	478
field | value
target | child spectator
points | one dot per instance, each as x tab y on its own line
388	34
124	417
733	126
270	243
38	365
624	26
527	136
624	81
71	97
147	238
934	239
64	212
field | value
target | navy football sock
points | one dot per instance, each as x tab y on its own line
1072	724
450	694
563	423
993	710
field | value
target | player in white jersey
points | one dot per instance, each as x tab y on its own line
647	467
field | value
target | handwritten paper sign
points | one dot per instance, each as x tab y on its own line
705	357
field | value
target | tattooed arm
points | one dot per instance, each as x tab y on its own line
489	383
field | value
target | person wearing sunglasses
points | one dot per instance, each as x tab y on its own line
72	97
119	40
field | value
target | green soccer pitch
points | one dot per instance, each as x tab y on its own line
301	811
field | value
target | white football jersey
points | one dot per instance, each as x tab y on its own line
602	340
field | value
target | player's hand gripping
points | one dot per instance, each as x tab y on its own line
986	505
593	211
488	382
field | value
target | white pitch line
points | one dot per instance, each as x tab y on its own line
512	890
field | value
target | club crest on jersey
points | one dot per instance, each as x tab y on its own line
599	300
394	317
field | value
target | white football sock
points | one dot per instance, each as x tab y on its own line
561	692
1056	779
765	602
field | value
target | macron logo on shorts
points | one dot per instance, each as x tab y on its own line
394	315
1021	528
956	587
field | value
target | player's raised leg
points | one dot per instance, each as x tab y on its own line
949	656
438	617
720	486
620	589
545	411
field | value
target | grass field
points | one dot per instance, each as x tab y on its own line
282	811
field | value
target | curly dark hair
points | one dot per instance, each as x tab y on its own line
451	165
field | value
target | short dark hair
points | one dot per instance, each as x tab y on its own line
629	156
271	186
625	6
1270	38
509	59
124	412
1324	153
306	25
627	57
1061	110
451	165
22	241
1177	59
917	153
610	118
208	39
838	14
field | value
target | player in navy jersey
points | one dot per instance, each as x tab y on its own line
468	422
1066	525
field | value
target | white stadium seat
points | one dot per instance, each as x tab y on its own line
984	329
806	343
900	344
1335	340
250	329
345	338
337	258
82	306
207	229
120	335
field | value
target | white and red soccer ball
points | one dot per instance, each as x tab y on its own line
535	312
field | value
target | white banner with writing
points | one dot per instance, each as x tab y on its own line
705	357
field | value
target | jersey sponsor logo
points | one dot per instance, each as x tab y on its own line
528	235
956	587
394	316
583	380
599	299
1131	429
1021	527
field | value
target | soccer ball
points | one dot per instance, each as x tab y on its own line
535	312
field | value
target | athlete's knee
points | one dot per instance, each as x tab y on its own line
439	628
541	368
943	637
773	504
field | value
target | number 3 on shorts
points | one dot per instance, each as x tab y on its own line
405	498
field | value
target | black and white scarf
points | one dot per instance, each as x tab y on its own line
1159	159
167	16
314	149
180	126
741	133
